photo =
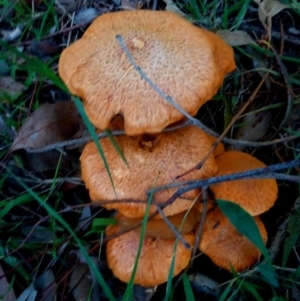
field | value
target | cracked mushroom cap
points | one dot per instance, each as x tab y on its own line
225	246
154	261
253	195
153	160
184	61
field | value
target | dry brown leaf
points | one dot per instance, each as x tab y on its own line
44	48
50	124
47	286
269	8
81	283
9	86
254	126
235	38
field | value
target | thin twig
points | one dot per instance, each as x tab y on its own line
84	140
171	101
232	122
201	226
66	30
265	172
173	228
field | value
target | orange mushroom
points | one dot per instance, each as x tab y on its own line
253	195
184	61
153	160
184	222
225	246
155	259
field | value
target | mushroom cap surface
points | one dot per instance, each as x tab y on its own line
227	247
153	160
253	195
154	261
184	222
184	61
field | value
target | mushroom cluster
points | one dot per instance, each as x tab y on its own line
188	64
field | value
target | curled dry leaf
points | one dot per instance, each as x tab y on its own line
269	8
50	124
235	38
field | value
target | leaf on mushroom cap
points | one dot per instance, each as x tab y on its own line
154	261
225	246
253	195
184	61
153	160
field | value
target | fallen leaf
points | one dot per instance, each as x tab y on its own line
48	160
68	6
171	6
84	223
9	86
86	15
39	234
269	8
10	35
29	294
254	126
50	124
235	38
131	5
47	286
44	48
81	283
6	292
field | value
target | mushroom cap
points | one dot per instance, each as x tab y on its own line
184	61
220	149
253	195
155	257
153	160
225	246
184	222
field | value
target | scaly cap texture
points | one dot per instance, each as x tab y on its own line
253	195
184	61
155	259
153	160
225	246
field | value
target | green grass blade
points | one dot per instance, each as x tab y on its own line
99	224
226	292
60	220
93	134
128	293
245	224
291	240
171	272
241	15
187	288
10	204
116	146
